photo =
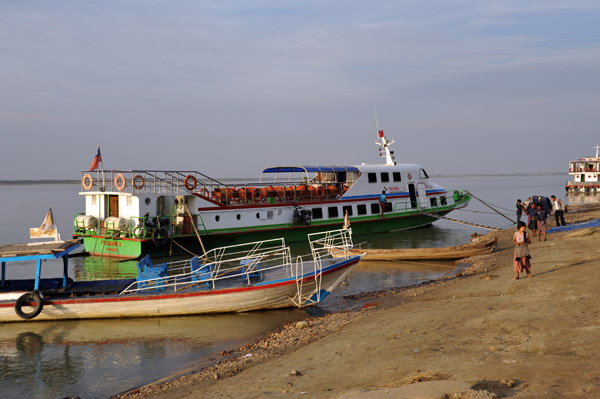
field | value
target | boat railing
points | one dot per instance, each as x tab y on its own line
328	243
140	227
223	266
192	182
145	181
272	193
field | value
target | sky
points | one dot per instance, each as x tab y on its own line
228	88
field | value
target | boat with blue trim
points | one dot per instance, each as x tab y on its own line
131	213
239	278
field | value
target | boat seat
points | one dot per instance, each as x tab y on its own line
252	272
200	272
150	275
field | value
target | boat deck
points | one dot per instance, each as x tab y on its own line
36	249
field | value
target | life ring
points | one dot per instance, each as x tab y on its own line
87	182
187	184
256	195
138	182
26	300
120	181
160	237
204	192
320	192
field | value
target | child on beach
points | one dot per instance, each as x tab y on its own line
521	257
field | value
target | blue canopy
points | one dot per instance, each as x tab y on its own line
290	169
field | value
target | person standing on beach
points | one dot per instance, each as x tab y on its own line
531	218
519	210
559	211
541	217
521	255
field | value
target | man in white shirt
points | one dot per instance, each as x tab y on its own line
558	208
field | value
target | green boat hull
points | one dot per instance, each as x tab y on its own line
189	243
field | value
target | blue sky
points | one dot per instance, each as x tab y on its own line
231	87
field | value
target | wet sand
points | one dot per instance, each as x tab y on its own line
476	335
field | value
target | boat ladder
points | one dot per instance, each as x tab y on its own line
312	297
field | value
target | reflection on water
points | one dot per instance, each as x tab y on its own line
100	358
581	199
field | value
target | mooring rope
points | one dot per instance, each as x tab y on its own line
492	208
463	222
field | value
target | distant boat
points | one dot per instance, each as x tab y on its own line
585	173
478	246
238	278
132	213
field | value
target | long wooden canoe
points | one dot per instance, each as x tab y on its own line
478	246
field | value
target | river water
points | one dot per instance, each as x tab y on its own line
99	359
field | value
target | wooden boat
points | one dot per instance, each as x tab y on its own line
478	246
238	278
131	213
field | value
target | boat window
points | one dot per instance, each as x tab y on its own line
347	208
423	174
269	214
397	176
332	212
317	213
258	215
217	218
433	201
374	208
372	177
361	209
443	201
385	177
238	216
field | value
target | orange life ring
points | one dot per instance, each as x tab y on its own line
87	182
187	184
138	182
256	195
120	182
204	192
320	192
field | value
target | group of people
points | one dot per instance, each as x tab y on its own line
537	209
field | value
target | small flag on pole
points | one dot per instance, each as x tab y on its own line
96	161
48	221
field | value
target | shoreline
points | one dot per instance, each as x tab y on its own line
477	332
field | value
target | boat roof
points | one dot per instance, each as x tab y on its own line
292	169
42	250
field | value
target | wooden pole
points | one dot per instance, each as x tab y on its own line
194	226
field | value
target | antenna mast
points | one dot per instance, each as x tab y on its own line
384	144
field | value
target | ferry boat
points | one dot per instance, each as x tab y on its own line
132	213
585	172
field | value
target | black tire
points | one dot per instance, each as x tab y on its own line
160	237
26	300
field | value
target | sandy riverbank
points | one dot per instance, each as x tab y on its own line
478	335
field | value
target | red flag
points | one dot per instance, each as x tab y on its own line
96	161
